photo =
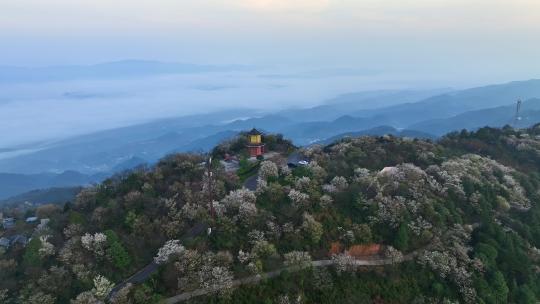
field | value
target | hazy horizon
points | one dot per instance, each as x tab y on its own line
300	53
462	38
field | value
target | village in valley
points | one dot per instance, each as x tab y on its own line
18	232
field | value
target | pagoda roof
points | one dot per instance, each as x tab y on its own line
254	132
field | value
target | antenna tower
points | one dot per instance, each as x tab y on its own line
518	109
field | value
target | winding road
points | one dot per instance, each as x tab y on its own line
272	274
251	182
145	273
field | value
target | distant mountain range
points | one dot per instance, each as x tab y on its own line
454	103
405	113
13	184
354	102
493	117
43	196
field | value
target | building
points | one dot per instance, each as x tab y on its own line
31	219
43	224
5	242
255	145
296	160
362	251
8	223
19	239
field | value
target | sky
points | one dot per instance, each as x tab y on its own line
450	38
358	44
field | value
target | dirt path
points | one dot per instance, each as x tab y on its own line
272	274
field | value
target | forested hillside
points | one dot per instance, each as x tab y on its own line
367	220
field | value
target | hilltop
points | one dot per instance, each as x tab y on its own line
375	219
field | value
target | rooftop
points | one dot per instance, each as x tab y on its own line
297	159
254	132
5	242
31	219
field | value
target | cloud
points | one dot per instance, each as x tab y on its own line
285	5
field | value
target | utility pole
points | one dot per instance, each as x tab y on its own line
518	109
210	186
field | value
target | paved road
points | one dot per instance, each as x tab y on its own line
143	274
379	261
251	182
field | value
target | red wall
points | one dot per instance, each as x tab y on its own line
255	151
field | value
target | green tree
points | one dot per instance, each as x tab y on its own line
526	295
116	251
119	255
31	254
499	287
401	241
486	253
130	219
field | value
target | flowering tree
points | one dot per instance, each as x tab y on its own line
171	248
122	295
86	198
86	297
189	211
218	278
298	198
243	257
247	211
38	298
322	279
255	236
329	188
480	170
360	173
454	262
47	249
285	170
303	183
237	197
262	185
313	228
73	230
188	266
268	169
102	287
284	299
95	243
393	254
326	201
3	295
208	270
263	249
340	183
298	258
343	263
219	208
273	230
317	171
55	281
